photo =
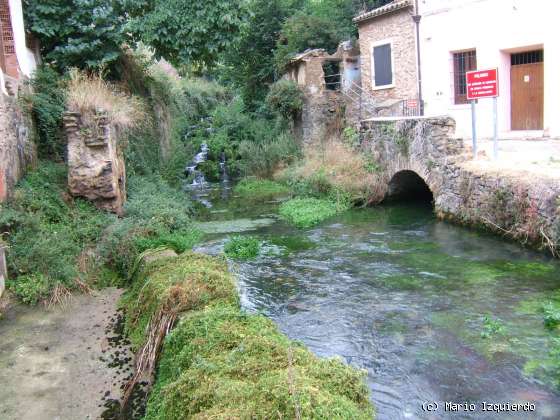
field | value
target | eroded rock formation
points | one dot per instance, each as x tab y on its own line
96	169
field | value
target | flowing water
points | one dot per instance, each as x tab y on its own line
433	312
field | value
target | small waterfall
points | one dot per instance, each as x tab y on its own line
223	168
192	168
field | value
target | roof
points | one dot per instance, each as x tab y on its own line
383	10
313	52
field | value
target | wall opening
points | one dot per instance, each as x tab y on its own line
333	78
408	186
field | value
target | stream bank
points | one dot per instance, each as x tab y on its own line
68	362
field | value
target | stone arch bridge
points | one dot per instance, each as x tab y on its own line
420	155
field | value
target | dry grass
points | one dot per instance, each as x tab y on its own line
343	168
90	93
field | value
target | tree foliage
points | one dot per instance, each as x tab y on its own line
186	32
86	34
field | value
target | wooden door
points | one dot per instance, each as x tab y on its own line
527	96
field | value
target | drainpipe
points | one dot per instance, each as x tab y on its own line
416	18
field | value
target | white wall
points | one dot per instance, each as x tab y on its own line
25	57
495	28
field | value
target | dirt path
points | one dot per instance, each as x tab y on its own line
63	363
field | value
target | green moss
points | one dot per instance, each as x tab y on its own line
185	283
242	247
220	362
307	212
223	363
260	189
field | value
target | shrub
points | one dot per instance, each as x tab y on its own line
333	169
156	215
307	212
551	314
47	231
242	247
260	189
47	103
31	288
285	98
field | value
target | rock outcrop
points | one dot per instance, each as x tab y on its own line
96	169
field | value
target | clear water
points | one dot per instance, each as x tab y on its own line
404	296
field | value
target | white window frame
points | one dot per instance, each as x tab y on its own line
378	44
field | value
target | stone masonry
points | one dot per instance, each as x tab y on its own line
398	28
96	169
17	150
524	208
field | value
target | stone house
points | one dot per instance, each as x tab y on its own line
329	83
387	39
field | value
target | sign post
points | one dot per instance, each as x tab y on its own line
483	84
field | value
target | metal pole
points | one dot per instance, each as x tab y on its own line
473	111
495	128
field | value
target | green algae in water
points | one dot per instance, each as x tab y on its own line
402	282
292	243
260	189
234	226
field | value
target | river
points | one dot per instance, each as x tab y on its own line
433	312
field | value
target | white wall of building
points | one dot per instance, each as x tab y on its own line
25	56
495	28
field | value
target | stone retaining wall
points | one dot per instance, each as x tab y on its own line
96	169
17	150
520	206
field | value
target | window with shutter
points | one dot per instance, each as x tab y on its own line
382	66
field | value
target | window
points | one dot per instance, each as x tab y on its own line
528	57
462	63
382	66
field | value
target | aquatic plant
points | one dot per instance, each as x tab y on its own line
260	189
491	326
551	314
307	212
242	247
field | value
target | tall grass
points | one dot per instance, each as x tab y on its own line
89	93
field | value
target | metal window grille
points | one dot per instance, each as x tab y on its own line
462	63
527	57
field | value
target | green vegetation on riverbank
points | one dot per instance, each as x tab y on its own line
260	189
221	362
307	212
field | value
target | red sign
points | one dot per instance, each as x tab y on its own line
482	84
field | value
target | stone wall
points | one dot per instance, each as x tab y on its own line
3	268
96	169
17	150
519	206
398	28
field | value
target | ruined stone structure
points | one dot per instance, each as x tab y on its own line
409	149
96	169
326	80
17	150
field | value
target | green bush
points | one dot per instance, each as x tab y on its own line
307	212
156	215
47	103
285	98
31	288
242	247
46	231
260	189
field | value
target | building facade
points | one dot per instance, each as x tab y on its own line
387	39
16	59
518	37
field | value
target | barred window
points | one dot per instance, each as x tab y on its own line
382	65
462	63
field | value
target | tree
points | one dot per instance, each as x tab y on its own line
249	64
77	33
187	32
